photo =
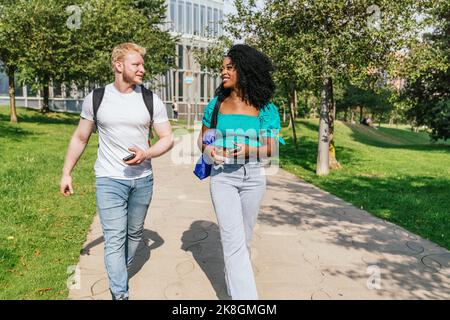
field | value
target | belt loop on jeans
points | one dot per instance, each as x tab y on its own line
245	172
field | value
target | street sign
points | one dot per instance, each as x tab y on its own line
189	80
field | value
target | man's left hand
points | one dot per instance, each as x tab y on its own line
140	157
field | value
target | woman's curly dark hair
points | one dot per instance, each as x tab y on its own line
254	78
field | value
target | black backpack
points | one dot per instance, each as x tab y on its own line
147	95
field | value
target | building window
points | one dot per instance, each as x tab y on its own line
173	15
180	16
202	87
4	84
203	21
180	57
210	22
208	86
174	82
196	20
57	93
188	18
167	85
215	83
220	22
33	93
216	22
180	85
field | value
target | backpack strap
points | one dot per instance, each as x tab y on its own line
147	95
96	102
97	98
215	114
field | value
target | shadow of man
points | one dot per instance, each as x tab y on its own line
151	240
203	241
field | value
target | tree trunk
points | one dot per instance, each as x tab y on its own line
333	163
295	105
292	114
12	95
45	105
324	142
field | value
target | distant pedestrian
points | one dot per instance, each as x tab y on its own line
175	109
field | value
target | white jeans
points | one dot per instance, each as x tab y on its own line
237	191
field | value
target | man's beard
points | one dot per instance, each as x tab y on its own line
131	78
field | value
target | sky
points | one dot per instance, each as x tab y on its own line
228	7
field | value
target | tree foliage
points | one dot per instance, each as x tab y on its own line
66	40
428	76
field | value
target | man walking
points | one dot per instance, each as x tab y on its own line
123	113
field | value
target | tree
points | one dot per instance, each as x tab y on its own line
317	42
104	24
12	35
428	90
47	44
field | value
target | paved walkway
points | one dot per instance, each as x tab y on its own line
308	244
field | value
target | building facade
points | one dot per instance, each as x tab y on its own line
196	23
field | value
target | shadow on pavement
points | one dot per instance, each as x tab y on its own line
203	241
150	241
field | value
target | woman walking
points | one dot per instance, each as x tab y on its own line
246	125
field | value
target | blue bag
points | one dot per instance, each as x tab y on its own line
202	169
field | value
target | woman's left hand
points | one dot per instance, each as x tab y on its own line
240	150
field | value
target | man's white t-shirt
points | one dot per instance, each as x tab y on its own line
123	121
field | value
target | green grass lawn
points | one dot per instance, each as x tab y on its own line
395	174
41	232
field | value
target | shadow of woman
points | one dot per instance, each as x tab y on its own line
150	241
203	241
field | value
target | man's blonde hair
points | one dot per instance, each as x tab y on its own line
122	49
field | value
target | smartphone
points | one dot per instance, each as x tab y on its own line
231	151
130	157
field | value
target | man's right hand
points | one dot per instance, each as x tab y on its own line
66	185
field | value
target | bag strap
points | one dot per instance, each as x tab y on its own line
215	114
96	102
147	95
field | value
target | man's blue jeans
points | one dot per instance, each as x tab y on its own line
122	206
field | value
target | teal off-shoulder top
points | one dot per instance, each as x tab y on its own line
241	128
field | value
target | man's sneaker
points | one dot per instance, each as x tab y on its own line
123	296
